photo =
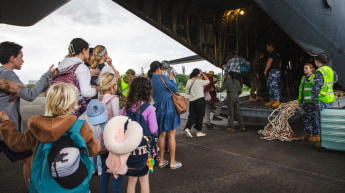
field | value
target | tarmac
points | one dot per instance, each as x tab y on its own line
223	161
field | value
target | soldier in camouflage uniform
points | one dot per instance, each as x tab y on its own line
273	72
322	92
256	67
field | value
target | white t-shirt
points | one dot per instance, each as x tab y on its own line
197	90
105	69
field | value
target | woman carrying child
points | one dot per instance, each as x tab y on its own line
140	92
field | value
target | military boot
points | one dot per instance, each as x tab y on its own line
270	103
315	138
276	104
251	99
259	98
307	136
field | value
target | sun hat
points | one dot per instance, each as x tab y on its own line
211	73
95	112
131	72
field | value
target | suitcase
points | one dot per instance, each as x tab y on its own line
332	129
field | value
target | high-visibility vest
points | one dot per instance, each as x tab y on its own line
326	94
124	86
307	90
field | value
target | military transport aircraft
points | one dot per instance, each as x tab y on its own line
213	29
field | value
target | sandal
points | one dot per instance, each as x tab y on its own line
178	165
163	165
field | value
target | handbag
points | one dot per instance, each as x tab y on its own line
179	101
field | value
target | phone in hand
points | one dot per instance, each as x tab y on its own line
169	70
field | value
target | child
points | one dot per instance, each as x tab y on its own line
233	89
304	100
61	103
107	89
140	92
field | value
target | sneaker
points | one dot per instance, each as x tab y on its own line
215	118
188	133
230	129
200	134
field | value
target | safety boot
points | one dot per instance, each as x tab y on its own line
259	98
307	136
251	99
315	138
276	104
270	103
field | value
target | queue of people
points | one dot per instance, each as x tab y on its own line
96	78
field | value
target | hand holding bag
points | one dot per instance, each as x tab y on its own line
179	101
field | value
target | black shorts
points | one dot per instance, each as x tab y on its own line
14	156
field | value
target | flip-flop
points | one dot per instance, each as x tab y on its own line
178	165
164	164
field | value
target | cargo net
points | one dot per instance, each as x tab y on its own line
278	126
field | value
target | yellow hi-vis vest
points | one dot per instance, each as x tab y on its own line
124	86
326	94
307	90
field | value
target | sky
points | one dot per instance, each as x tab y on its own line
130	41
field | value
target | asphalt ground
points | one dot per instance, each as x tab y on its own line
224	161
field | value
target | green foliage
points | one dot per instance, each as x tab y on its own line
245	89
30	85
181	82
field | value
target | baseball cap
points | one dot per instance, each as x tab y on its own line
95	112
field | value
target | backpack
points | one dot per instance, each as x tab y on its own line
97	131
63	165
69	76
137	161
244	68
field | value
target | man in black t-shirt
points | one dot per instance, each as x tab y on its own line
273	72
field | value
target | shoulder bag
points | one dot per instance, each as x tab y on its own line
179	101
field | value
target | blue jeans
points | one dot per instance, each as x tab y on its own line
96	160
104	181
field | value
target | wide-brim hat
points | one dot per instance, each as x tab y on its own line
210	73
119	141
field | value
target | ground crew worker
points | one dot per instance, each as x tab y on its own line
233	89
256	68
273	72
304	100
322	92
123	86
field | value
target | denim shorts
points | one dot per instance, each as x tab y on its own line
14	156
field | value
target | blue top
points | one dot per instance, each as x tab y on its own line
167	117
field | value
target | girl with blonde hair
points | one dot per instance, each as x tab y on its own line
107	89
100	60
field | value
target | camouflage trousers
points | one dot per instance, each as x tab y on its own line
309	117
255	85
318	107
273	84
